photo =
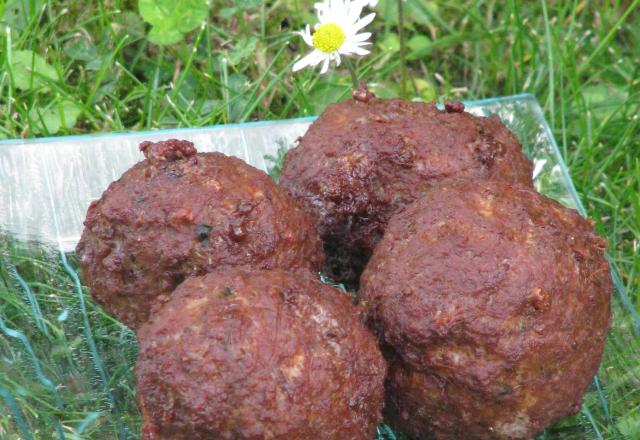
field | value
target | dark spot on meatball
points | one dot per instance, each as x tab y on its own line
504	390
178	278
245	207
203	232
540	299
174	174
288	296
487	150
237	232
226	292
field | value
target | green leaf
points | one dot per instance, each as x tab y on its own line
605	99
248	5
238	83
422	47
51	120
391	43
426	90
415	11
629	425
17	13
129	23
227	13
30	70
171	19
82	50
327	93
97	62
385	89
418	45
245	47
164	37
421	12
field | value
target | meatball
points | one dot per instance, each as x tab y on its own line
259	354
363	158
180	213
493	302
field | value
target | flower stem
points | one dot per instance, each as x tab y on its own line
353	72
403	58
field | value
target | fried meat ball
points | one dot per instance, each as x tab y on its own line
259	354
366	157
493	305
180	213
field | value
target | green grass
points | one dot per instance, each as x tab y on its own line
40	298
580	58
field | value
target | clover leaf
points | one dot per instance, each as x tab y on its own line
17	13
51	120
171	19
30	70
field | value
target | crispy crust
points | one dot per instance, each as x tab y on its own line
250	354
366	157
179	213
494	304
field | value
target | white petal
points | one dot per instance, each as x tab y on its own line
321	8
363	22
325	66
369	3
307	36
337	12
364	36
313	59
351	49
354	11
342	6
332	11
362	51
356	44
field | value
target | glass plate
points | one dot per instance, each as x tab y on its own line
66	368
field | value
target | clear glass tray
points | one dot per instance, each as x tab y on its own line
66	368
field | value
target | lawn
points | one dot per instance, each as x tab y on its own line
97	69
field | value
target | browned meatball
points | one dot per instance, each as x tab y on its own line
363	158
178	213
257	354
495	301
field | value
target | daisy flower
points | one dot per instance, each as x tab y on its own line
336	33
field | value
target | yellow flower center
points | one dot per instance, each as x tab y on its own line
328	38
